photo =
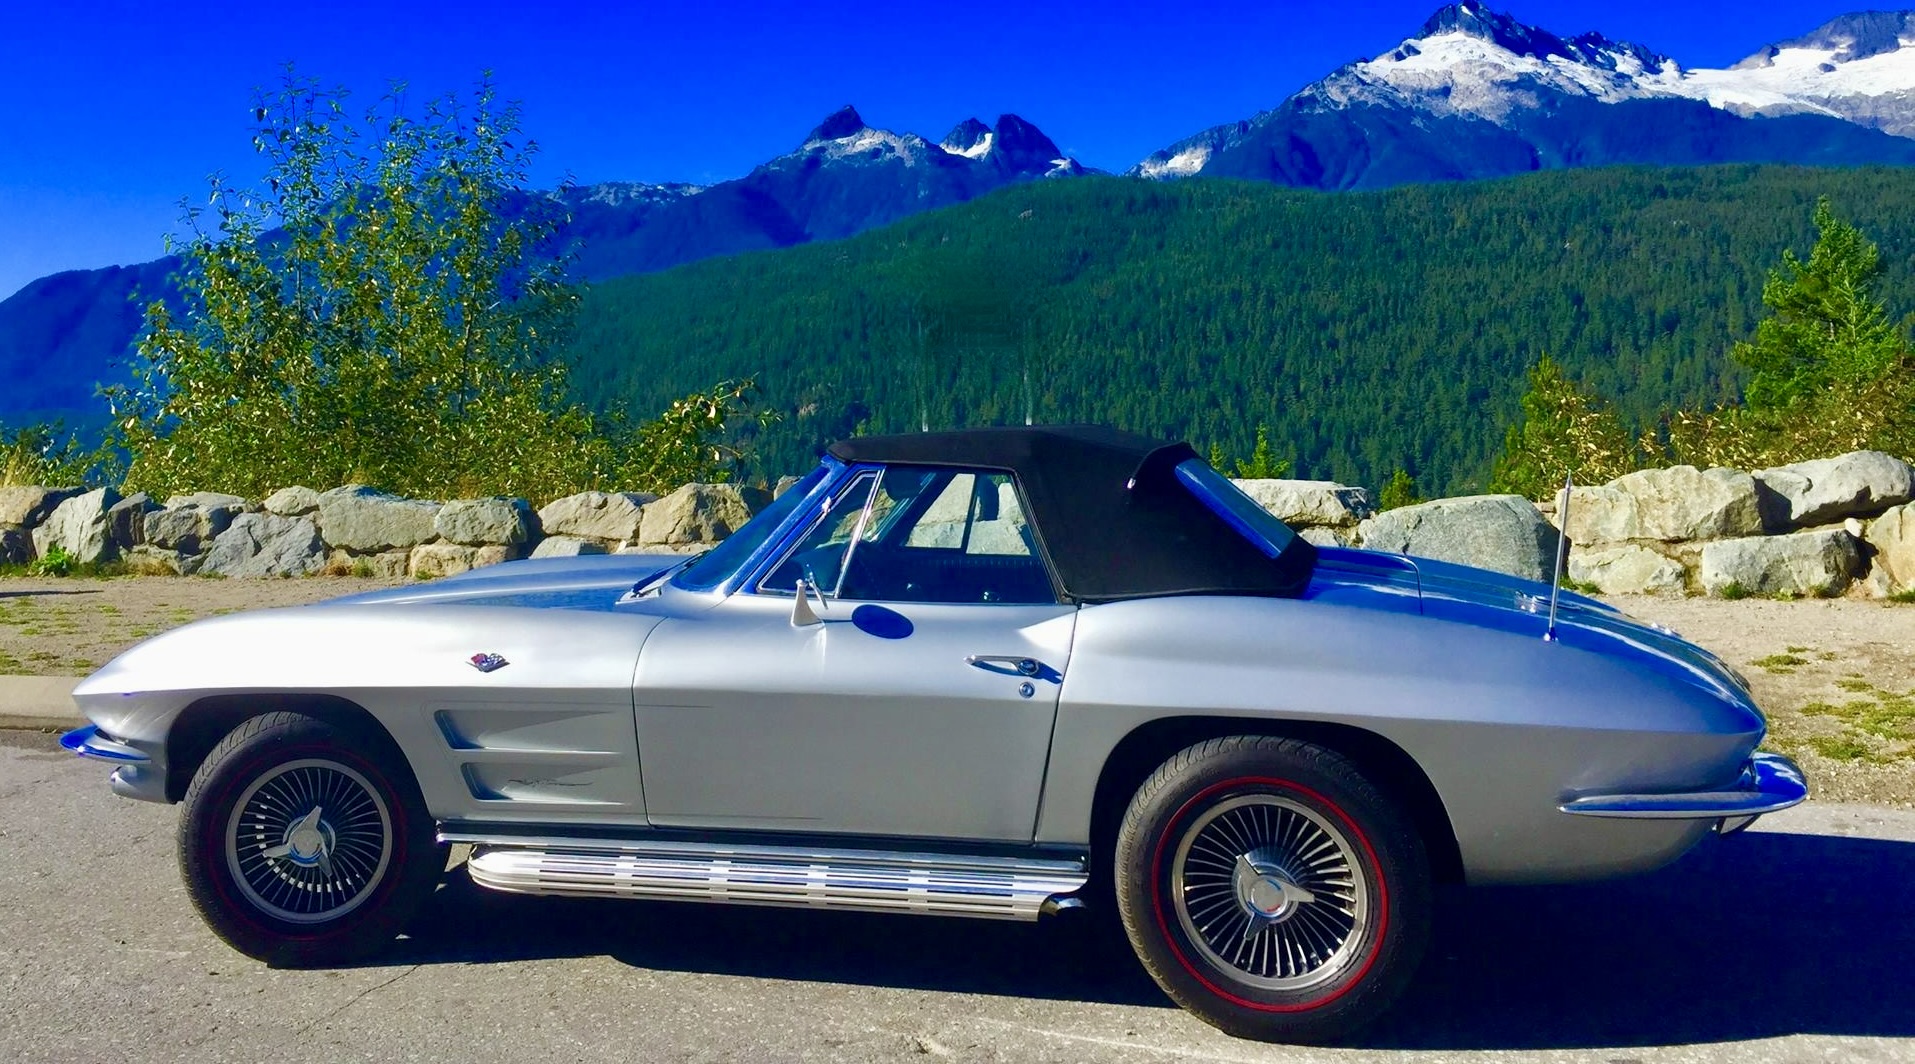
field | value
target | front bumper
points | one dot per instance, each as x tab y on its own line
140	773
1769	783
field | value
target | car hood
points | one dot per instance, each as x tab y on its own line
1466	595
584	582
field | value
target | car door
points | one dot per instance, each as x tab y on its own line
920	704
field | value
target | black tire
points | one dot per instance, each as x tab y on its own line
1315	925
306	888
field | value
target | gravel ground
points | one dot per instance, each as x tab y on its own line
1837	676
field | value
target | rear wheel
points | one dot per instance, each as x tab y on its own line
305	844
1271	889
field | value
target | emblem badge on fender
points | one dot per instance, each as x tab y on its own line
487	662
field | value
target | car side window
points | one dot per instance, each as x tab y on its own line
924	534
819	557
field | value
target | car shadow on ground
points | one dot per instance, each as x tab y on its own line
1753	936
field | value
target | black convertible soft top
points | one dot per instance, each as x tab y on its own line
1108	509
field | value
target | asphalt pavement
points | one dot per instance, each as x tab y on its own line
1794	941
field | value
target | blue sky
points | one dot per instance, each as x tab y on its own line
112	112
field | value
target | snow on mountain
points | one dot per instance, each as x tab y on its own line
1471	62
1859	67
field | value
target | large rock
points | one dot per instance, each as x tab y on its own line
210	500
292	502
1892	536
1627	570
429	560
605	516
695	513
1666	505
266	545
481	522
1310	503
80	527
385	565
126	521
1859	483
25	507
1801	563
16	546
567	547
149	560
1505	533
366	520
187	527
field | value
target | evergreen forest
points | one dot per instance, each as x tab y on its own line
1365	332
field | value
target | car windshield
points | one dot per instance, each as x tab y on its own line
717	565
1228	501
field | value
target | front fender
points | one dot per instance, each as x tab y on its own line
551	726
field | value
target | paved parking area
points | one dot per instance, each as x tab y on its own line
1792	942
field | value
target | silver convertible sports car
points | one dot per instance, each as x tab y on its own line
994	673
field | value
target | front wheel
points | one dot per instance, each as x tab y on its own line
303	844
1271	889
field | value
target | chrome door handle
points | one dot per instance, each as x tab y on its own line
1006	663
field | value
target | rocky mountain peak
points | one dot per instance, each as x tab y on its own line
843	122
970	137
1023	145
1858	35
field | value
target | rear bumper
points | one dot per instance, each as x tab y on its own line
1769	783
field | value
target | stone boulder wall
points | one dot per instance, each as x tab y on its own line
1857	484
262	544
1505	533
1892	539
292	502
1820	563
1322	511
567	547
80	527
185	528
1627	569
1672	505
364	520
608	517
27	507
429	560
698	514
126	521
16	545
496	521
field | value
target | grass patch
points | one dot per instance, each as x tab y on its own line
1734	591
1784	664
1839	748
1903	598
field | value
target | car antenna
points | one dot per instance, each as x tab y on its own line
1562	556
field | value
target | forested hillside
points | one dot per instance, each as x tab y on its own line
1368	331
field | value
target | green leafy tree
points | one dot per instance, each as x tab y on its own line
1825	327
385	311
1261	465
48	455
1400	490
1563	431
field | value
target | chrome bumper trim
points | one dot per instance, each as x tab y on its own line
1769	783
1008	888
90	742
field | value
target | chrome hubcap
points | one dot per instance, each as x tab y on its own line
1270	891
308	841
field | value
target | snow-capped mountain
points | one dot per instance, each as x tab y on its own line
1476	93
1860	67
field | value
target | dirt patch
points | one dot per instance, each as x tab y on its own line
1837	677
69	627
